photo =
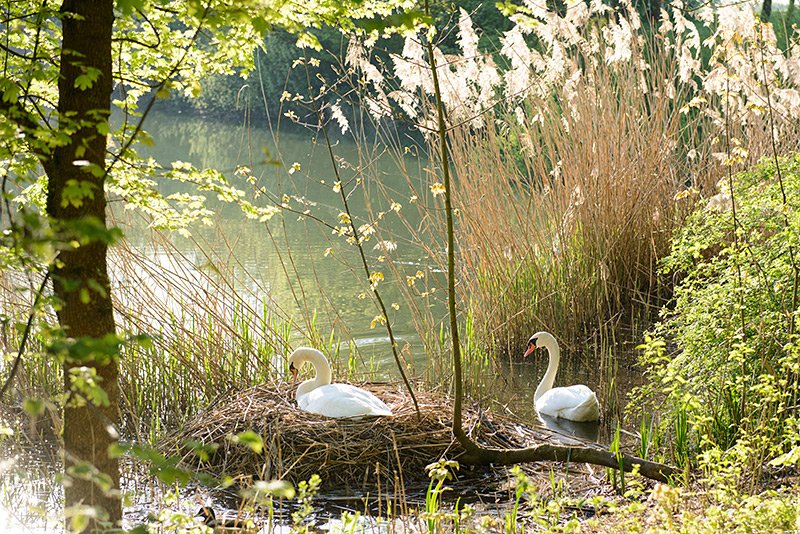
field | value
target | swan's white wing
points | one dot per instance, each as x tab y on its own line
342	400
576	403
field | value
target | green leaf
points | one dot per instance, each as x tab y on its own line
249	438
86	80
276	488
790	458
202	450
34	407
82	470
79	522
171	475
260	25
127	7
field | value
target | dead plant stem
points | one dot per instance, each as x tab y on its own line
743	398
358	243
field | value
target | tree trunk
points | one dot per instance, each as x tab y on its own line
80	278
654	11
766	10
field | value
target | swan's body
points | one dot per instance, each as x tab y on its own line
576	403
318	395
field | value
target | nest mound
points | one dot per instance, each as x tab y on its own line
343	452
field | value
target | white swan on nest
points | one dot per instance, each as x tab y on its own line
576	403
318	395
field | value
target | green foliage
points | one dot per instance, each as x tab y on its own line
725	508
439	473
306	490
734	319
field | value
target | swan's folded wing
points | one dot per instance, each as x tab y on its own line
343	400
577	403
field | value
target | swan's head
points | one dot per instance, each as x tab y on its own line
302	355
540	340
208	516
295	363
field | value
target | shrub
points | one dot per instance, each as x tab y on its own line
734	319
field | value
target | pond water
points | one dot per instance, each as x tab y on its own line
295	263
294	260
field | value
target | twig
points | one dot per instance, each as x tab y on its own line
25	335
357	242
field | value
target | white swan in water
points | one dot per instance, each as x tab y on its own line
318	395
576	403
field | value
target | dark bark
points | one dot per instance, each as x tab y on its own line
766	10
80	278
477	455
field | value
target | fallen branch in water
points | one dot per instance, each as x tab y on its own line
477	455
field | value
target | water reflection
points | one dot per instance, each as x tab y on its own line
584	431
30	496
295	261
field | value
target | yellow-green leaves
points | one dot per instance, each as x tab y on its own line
86	382
249	438
374	278
87	78
379	319
277	488
75	191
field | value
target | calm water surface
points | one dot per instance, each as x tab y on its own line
295	261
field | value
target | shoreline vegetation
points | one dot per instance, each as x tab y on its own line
608	170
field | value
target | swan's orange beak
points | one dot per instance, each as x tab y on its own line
531	347
293	370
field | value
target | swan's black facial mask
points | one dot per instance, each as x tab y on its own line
531	346
293	369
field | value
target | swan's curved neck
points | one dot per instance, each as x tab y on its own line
549	377
321	367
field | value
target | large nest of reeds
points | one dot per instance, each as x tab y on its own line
343	452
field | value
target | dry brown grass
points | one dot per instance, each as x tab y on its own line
569	200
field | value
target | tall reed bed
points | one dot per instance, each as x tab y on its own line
579	158
37	375
210	329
